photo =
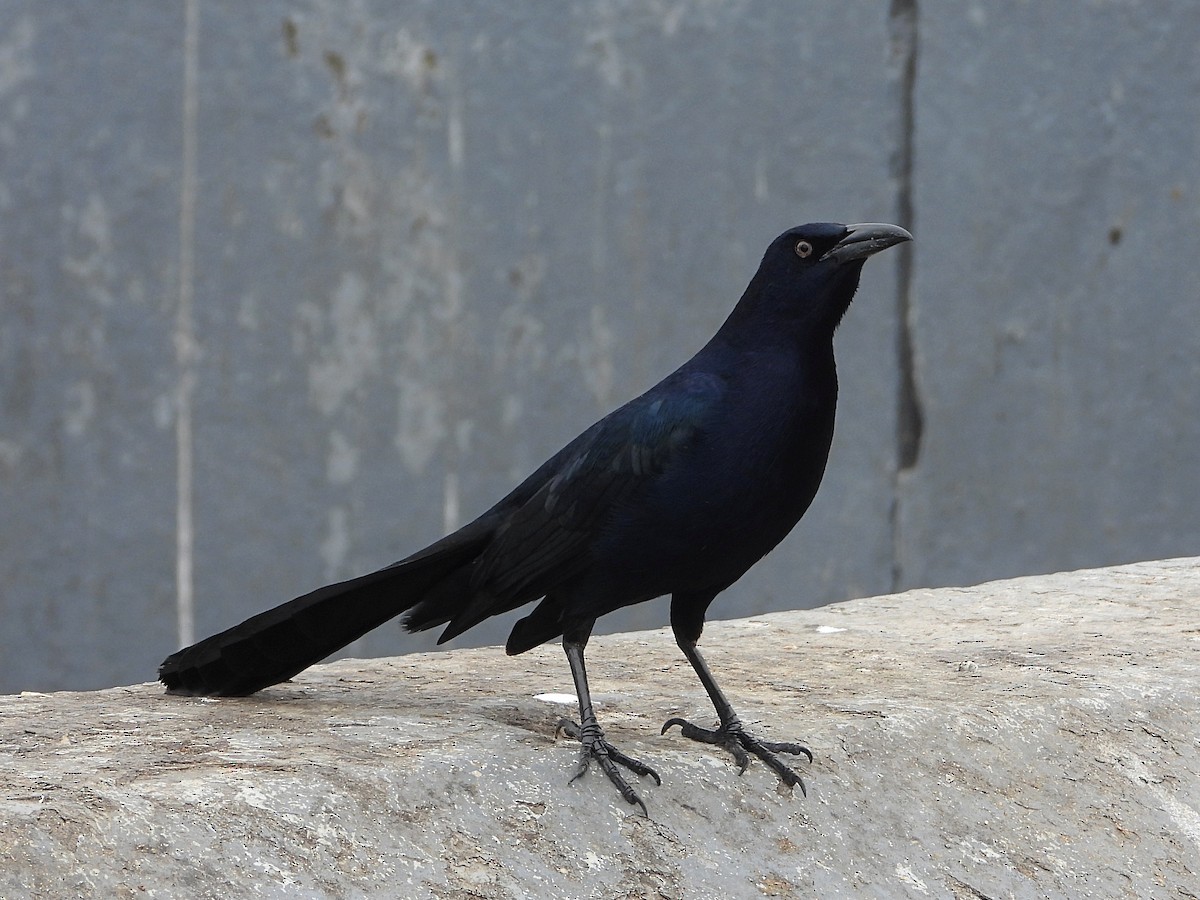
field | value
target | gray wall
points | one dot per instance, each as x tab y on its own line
333	276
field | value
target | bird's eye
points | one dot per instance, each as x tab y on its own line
803	249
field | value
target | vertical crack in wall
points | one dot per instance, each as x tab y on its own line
185	339
902	34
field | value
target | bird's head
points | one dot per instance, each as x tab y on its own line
809	274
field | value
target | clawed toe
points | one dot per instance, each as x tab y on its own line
740	744
594	747
794	749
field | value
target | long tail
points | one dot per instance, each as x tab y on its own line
281	642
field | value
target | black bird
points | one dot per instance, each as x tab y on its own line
678	492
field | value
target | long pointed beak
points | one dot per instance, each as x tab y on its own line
866	239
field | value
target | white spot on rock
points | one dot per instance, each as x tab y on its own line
906	875
565	699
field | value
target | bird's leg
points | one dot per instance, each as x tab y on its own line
730	734
594	746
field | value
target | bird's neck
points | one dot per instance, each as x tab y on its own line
755	326
771	358
772	313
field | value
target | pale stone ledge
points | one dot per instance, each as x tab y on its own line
1038	737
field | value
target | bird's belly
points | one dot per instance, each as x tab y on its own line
702	535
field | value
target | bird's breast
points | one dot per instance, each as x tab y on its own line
727	499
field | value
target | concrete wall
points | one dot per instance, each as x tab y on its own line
289	289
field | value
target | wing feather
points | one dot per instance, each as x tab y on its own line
547	531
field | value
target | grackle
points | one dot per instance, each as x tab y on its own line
678	492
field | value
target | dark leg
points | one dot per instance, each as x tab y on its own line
591	737
687	624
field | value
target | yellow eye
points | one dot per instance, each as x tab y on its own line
803	249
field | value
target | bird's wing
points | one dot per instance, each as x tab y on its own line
551	519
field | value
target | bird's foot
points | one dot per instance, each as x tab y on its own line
734	738
593	746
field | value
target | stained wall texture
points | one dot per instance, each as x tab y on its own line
289	289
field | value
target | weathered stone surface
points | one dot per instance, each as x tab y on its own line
1029	738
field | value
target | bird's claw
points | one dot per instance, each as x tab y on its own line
737	741
593	746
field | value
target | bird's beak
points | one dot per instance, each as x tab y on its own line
866	239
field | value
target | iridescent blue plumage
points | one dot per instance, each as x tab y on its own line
679	492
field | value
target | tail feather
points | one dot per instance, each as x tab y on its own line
275	645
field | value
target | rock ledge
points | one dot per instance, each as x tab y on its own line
1037	737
